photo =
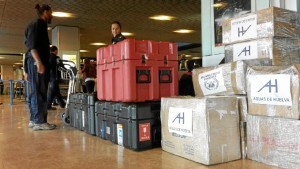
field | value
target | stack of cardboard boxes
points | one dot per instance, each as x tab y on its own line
257	89
272	91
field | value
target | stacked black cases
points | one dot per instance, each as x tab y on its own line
88	113
110	118
100	119
80	111
138	125
72	109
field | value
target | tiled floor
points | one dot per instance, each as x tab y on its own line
65	147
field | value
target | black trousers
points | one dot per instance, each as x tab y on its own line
54	91
90	85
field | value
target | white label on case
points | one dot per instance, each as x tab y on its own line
181	121
108	130
82	118
244	28
212	82
120	134
245	51
271	89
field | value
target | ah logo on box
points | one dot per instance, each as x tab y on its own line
242	31
269	85
179	118
245	50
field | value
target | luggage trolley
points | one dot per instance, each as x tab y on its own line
68	71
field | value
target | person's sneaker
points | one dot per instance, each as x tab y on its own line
44	126
31	124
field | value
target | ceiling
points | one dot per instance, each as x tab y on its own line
94	17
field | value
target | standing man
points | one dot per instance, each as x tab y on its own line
1	86
54	80
38	67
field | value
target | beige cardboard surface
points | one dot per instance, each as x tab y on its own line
286	111
270	22
215	129
282	51
274	141
231	78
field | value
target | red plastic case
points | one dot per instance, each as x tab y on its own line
137	71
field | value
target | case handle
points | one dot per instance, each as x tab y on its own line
165	76
143	76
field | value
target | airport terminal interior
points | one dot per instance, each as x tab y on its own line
163	38
69	148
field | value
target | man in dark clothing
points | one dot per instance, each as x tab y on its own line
186	86
116	32
54	79
1	86
38	67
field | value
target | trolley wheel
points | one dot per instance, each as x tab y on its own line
62	115
66	120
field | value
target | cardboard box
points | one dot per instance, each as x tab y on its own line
274	141
205	130
282	51
273	91
225	79
264	23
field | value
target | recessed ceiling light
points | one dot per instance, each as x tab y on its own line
18	63
1	57
62	14
184	31
127	34
188	56
49	28
98	44
82	51
162	17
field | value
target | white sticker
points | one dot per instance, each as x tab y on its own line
82	118
181	121
245	51
120	134
108	130
212	82
244	28
271	89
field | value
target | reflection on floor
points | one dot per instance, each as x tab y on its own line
65	147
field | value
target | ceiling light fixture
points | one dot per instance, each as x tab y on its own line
49	28
184	31
127	34
1	57
83	51
98	44
62	14
162	17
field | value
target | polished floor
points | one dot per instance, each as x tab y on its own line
68	148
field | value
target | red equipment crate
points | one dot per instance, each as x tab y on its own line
104	74
137	71
134	71
167	69
135	81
